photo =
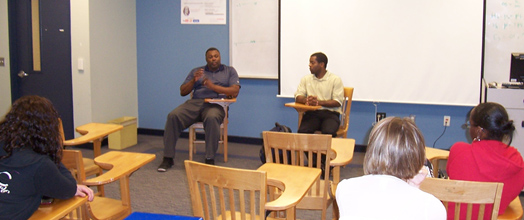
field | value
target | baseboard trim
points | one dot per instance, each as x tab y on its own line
89	145
234	139
149	131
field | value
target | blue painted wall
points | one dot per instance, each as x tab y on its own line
168	50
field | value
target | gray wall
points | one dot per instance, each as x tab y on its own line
5	79
103	35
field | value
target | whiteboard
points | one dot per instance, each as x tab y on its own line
504	35
254	38
402	51
254	34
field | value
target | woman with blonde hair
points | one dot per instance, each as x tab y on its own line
393	168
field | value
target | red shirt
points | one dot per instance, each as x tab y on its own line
487	161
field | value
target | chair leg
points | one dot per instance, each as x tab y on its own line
191	142
100	188
224	140
225	149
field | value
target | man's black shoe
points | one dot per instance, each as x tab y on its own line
166	164
210	161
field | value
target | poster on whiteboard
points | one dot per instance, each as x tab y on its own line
203	11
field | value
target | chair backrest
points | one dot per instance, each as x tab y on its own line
303	150
61	128
346	109
465	192
72	160
221	192
87	165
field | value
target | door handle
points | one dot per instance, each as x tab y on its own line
22	74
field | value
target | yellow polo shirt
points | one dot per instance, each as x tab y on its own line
329	87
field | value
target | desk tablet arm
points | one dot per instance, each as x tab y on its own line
121	165
343	149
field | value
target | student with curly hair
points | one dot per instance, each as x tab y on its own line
30	155
489	158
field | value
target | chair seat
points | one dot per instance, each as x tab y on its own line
514	211
200	125
199	128
107	208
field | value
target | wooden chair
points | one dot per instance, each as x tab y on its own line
199	128
346	109
466	192
514	211
89	169
435	155
72	160
103	208
303	150
344	117
226	193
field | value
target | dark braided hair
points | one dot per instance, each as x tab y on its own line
493	117
32	122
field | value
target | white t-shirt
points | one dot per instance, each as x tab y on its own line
385	197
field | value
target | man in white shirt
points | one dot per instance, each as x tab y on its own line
320	88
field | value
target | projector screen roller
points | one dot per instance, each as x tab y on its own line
403	51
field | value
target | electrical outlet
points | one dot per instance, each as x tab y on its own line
447	120
380	116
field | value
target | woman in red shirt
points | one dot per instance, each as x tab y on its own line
489	158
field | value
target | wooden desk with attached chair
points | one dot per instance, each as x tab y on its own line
120	166
95	133
304	150
344	117
231	193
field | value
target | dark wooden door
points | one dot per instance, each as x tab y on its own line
49	74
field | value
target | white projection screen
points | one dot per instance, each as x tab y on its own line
402	51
